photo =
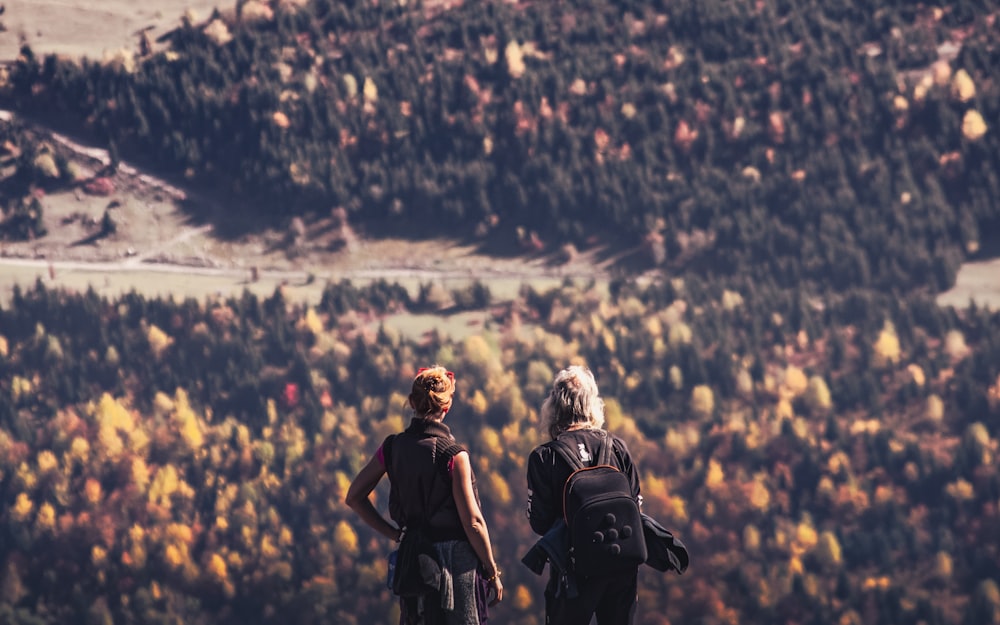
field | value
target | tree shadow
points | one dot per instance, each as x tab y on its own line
91	239
236	217
989	241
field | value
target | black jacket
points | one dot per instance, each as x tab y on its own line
553	547
666	553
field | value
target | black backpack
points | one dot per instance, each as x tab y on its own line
602	516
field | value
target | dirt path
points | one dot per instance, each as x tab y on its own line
186	235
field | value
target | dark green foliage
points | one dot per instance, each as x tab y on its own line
840	188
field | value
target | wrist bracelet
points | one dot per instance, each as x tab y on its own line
496	574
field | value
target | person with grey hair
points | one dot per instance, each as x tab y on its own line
573	414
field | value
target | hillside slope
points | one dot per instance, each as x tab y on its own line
834	146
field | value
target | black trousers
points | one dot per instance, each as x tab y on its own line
612	599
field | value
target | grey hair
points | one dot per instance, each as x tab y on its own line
573	400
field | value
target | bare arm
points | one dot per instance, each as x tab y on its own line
359	500
473	521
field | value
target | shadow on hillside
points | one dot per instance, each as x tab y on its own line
232	218
606	252
989	242
237	218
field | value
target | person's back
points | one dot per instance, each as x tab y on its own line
445	572
548	472
574	416
417	461
601	509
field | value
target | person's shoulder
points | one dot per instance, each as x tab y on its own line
619	446
615	439
544	450
543	447
449	447
587	436
386	443
569	437
591	436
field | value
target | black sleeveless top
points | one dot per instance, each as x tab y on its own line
420	487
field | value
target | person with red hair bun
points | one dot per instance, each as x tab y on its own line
432	487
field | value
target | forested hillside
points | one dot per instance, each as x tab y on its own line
837	143
805	177
168	462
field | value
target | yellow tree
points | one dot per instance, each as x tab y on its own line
702	401
345	538
887	349
943	566
188	424
973	125
158	340
827	549
817	396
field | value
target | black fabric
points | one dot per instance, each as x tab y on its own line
420	491
612	598
554	549
666	552
605	526
417	570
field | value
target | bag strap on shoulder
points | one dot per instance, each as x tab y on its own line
607	455
568	453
